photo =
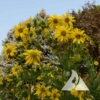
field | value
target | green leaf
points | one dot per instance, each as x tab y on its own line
19	83
58	85
25	94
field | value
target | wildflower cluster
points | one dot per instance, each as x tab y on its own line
43	50
63	29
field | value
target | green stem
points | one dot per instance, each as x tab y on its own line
30	92
64	95
62	76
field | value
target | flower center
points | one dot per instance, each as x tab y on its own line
20	30
42	89
55	21
63	33
33	54
16	69
78	36
8	51
54	95
66	20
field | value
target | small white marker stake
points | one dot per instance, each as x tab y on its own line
70	86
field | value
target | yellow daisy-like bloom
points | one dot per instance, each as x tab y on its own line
55	95
32	57
54	21
78	36
67	19
23	44
42	91
21	31
62	33
74	93
9	50
15	69
77	94
1	79
96	63
9	78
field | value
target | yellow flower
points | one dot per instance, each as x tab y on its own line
1	79
51	75
44	31
62	33
42	91
9	50
54	21
15	69
67	19
23	44
21	31
32	57
78	36
74	93
77	94
96	63
9	77
55	95
39	78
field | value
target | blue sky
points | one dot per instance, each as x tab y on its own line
14	11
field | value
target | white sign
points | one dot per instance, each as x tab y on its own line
78	84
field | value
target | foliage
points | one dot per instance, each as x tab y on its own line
89	20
